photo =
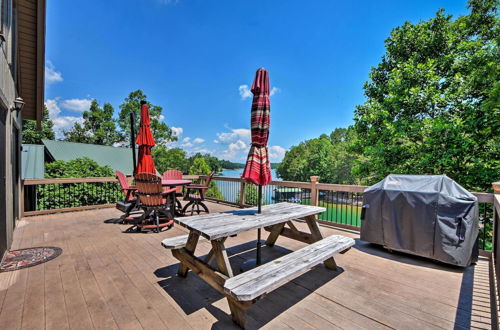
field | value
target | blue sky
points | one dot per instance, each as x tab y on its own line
196	58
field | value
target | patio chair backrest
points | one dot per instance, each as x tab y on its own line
149	189
207	178
122	179
173	175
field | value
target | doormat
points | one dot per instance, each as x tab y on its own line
23	258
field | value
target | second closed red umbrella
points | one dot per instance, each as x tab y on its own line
145	141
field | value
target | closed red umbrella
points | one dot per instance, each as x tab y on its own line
145	141
257	168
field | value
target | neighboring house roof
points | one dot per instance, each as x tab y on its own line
32	161
117	158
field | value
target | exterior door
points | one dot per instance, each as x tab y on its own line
15	163
5	224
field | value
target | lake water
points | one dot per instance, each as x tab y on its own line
339	213
237	174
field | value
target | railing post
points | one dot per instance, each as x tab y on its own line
495	251
242	192
314	190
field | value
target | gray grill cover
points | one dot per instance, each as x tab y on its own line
426	215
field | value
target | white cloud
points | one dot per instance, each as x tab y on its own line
186	139
53	108
274	90
61	123
51	74
198	140
76	105
235	151
64	123
276	153
244	92
161	117
236	134
177	131
201	151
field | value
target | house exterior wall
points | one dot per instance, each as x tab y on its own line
10	127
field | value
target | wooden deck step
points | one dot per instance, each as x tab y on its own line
252	284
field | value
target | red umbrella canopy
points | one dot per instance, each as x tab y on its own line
257	169
145	141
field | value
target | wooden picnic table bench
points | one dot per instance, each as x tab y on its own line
246	288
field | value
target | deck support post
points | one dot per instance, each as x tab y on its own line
314	190
242	200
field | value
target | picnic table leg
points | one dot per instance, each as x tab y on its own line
317	235
210	256
221	257
275	232
238	311
192	241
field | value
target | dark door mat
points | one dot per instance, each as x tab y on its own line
23	258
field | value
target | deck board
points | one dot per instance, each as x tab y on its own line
107	279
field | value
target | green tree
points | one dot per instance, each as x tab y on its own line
433	102
312	157
98	127
77	168
54	196
168	159
132	103
199	166
33	135
329	157
212	162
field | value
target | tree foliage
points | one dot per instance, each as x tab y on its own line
432	103
326	156
54	196
200	166
169	159
132	103
98	127
212	162
33	135
77	168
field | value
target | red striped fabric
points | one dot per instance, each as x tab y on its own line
145	140
257	169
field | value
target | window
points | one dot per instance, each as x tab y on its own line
5	19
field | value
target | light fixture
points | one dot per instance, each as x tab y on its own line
18	104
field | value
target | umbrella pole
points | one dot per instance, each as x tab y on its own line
132	138
259	210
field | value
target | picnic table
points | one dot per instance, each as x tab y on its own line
246	288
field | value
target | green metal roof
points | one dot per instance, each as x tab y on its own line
117	158
32	161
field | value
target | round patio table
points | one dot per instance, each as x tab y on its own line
175	183
172	184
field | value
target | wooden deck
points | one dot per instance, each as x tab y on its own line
108	279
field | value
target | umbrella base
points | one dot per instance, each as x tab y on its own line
252	263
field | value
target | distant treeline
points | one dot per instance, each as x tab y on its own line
228	165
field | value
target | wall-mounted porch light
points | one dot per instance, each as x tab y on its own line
18	104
